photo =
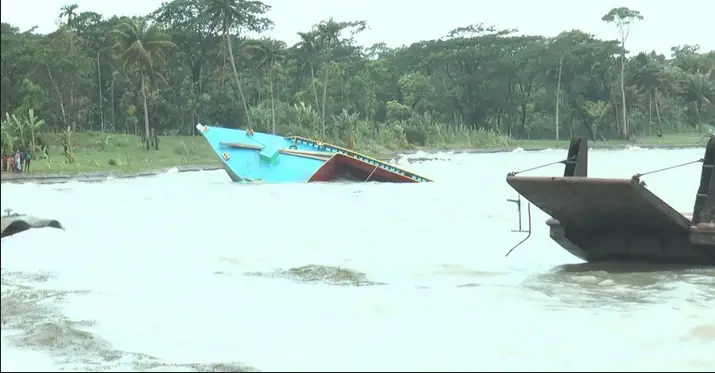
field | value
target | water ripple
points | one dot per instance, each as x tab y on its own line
151	275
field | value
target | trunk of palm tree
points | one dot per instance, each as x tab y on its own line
59	96
315	89
99	78
697	115
341	84
325	95
146	116
558	96
227	35
73	115
113	108
273	109
657	109
623	94
650	112
32	139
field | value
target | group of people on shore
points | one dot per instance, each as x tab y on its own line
18	162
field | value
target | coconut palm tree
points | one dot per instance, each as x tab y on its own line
143	46
699	91
266	54
648	78
230	15
68	11
328	37
308	47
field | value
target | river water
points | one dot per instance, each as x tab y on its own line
191	272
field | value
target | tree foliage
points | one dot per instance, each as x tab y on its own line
191	61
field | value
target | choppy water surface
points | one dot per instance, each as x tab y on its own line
191	272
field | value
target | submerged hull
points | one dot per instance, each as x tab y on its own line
620	220
343	167
249	156
14	223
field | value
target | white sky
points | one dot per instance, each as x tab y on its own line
667	22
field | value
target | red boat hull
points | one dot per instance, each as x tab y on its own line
343	167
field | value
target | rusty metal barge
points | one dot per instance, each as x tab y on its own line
620	220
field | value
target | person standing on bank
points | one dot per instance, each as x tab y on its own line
22	161
10	163
28	158
18	165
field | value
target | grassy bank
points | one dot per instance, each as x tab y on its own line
667	141
125	154
117	153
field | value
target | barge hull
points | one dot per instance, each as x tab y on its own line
620	220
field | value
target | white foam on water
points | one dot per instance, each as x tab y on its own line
23	360
185	268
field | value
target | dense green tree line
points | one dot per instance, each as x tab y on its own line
190	61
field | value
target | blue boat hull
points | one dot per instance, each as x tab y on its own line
250	156
267	165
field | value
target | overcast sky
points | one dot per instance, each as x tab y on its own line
667	22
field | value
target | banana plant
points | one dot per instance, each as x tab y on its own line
13	134
35	126
345	124
8	135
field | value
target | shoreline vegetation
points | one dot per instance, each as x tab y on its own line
122	95
99	156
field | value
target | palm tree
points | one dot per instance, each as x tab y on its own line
68	11
308	46
648	79
143	46
266	54
699	90
328	37
231	14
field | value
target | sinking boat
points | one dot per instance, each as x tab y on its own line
15	223
620	220
249	156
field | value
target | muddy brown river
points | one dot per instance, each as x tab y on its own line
189	272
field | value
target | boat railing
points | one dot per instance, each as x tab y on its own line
359	156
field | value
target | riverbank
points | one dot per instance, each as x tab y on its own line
99	157
93	177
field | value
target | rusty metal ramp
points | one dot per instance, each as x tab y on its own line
598	205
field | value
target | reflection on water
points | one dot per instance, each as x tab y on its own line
190	272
